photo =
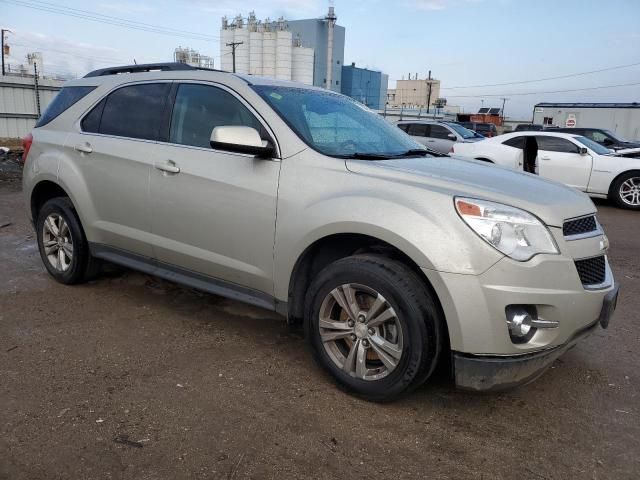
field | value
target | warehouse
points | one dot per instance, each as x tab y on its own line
621	118
366	86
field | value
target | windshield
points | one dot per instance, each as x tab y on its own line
336	125
596	147
615	136
463	132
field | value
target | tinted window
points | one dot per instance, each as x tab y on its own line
63	100
515	142
419	130
91	121
404	127
596	147
135	111
556	144
198	109
438	131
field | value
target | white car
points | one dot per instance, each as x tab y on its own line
570	159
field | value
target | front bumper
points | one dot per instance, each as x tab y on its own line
486	373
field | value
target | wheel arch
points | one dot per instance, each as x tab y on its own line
42	192
484	159
330	248
617	178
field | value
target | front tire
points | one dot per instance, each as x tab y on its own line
62	243
373	325
625	191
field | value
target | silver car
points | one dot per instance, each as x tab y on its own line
298	200
438	136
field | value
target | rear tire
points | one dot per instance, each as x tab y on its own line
625	191
62	243
375	359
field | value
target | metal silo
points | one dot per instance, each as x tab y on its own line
302	65
268	50
284	45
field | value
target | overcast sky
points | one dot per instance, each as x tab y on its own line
464	42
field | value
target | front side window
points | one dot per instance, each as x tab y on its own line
198	109
596	147
596	136
463	131
556	144
334	124
134	111
65	98
438	131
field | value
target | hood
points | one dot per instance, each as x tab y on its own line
472	140
627	151
550	201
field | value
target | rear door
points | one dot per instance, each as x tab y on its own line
514	153
560	160
113	151
214	211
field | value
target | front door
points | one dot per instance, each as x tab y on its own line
559	159
214	212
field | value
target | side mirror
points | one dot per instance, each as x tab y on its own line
583	150
451	136
240	140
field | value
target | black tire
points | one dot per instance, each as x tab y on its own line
615	193
83	266
416	310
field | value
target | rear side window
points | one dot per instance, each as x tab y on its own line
516	142
135	111
63	100
419	129
556	144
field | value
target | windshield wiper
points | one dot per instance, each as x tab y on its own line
366	156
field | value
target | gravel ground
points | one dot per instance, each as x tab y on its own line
136	378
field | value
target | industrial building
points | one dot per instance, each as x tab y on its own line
414	93
192	57
621	118
366	86
265	48
327	40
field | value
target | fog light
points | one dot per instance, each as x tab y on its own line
521	322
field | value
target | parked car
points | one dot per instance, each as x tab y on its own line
528	127
436	135
604	137
571	159
391	258
485	129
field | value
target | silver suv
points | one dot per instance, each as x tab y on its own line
302	201
438	136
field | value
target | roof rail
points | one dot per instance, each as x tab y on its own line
147	67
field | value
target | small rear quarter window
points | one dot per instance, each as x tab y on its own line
63	100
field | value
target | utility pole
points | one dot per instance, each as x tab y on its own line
2	46
36	87
429	95
504	100
233	46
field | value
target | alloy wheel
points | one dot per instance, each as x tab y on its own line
630	191
360	332
57	242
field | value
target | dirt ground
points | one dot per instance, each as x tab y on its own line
135	378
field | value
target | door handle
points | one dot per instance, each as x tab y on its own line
83	148
169	167
431	141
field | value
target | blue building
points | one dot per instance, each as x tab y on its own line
366	86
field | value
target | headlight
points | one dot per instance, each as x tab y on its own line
512	231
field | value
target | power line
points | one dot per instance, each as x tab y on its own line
499	95
116	21
559	77
33	46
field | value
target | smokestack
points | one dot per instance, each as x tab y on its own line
331	22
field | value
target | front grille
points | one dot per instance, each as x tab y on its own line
579	226
591	270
